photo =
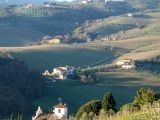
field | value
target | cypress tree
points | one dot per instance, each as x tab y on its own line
108	102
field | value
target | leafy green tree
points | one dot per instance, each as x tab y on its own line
108	102
18	87
91	107
144	96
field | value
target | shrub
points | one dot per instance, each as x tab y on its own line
144	96
157	96
91	107
129	108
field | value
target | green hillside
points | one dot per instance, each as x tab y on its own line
121	27
94	37
30	24
18	87
47	57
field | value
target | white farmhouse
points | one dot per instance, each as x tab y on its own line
128	66
54	41
60	111
123	61
130	15
60	73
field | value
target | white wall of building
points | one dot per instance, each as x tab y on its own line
60	112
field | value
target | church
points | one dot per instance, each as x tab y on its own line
60	112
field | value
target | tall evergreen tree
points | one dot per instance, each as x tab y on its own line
108	102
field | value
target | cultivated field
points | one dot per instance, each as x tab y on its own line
47	57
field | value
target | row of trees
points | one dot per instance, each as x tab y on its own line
97	109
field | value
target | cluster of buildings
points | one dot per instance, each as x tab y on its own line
126	64
60	112
60	72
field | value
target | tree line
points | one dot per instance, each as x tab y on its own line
97	109
18	87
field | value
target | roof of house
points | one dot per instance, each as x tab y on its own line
126	59
60	105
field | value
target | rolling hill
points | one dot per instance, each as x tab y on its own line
60	55
32	24
130	41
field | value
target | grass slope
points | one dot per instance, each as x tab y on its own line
122	26
47	57
122	84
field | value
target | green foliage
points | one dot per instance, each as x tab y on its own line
157	96
108	102
52	21
16	117
18	87
87	77
92	106
144	96
129	108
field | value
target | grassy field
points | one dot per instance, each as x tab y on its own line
18	36
140	48
140	44
123	85
52	56
21	31
122	26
